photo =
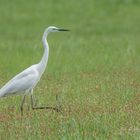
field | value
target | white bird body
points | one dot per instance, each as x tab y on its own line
24	82
21	83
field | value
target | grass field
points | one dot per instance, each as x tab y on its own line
95	69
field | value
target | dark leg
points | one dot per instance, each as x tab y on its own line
21	106
57	102
44	107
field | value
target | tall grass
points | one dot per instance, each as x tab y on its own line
94	68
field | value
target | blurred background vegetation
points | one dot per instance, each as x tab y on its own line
95	68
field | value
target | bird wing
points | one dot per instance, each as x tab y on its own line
25	80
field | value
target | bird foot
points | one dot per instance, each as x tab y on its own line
48	107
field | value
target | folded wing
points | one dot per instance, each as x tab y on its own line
22	82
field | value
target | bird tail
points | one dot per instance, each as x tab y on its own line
2	93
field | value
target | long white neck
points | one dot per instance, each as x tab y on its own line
44	60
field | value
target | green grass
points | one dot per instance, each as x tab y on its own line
95	69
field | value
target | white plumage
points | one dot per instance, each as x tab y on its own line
24	82
21	83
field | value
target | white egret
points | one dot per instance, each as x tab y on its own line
24	82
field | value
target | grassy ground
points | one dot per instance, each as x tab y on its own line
95	69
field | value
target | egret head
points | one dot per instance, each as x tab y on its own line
52	29
55	29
